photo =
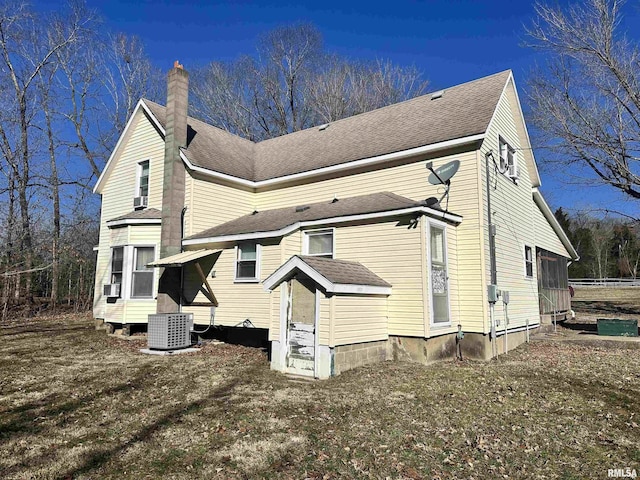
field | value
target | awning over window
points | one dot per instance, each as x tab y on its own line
182	258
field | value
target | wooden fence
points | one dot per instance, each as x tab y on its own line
604	282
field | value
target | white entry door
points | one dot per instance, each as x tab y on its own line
301	327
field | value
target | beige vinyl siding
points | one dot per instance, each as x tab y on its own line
134	310
392	251
454	290
238	301
210	203
359	319
118	236
143	142
512	206
410	180
324	333
545	235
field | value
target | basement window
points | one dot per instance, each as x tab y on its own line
247	262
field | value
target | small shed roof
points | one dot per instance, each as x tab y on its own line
180	259
334	276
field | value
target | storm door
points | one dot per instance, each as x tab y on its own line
439	278
301	326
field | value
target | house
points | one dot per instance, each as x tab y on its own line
327	241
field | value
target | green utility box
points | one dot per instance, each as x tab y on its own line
617	327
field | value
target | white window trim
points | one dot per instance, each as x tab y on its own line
123	272
305	241
136	192
442	225
524	253
131	264
256	279
503	140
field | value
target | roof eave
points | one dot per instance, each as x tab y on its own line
326	221
551	218
295	262
457	142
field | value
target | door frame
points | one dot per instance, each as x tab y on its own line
284	337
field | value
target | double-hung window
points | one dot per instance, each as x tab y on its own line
143	179
117	260
142	276
319	243
248	262
528	261
507	159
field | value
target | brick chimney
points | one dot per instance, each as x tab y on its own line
173	185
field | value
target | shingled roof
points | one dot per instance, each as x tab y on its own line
462	111
144	214
279	218
334	276
345	272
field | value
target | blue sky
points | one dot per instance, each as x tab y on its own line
450	41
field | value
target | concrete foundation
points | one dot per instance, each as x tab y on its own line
337	360
346	357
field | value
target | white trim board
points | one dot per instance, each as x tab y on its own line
430	212
335	168
133	221
281	274
551	218
286	178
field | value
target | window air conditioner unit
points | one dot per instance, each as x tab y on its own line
169	331
111	290
514	172
140	202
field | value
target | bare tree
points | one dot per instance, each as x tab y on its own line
587	100
293	83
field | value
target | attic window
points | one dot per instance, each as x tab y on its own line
436	95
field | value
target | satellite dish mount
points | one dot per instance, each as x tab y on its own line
442	176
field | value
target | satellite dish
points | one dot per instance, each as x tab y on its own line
443	173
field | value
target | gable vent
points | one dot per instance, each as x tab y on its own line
436	95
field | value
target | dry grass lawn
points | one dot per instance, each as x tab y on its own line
77	404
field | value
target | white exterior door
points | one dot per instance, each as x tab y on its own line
301	327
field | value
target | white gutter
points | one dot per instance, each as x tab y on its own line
551	218
325	221
133	221
336	168
296	176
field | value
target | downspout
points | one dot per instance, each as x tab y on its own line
492	256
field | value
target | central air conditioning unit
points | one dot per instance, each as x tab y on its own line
111	290
139	202
169	331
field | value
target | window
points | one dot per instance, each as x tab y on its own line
117	260
319	243
142	276
143	179
438	275
508	163
528	261
248	262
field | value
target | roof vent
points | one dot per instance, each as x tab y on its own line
323	126
436	95
302	208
